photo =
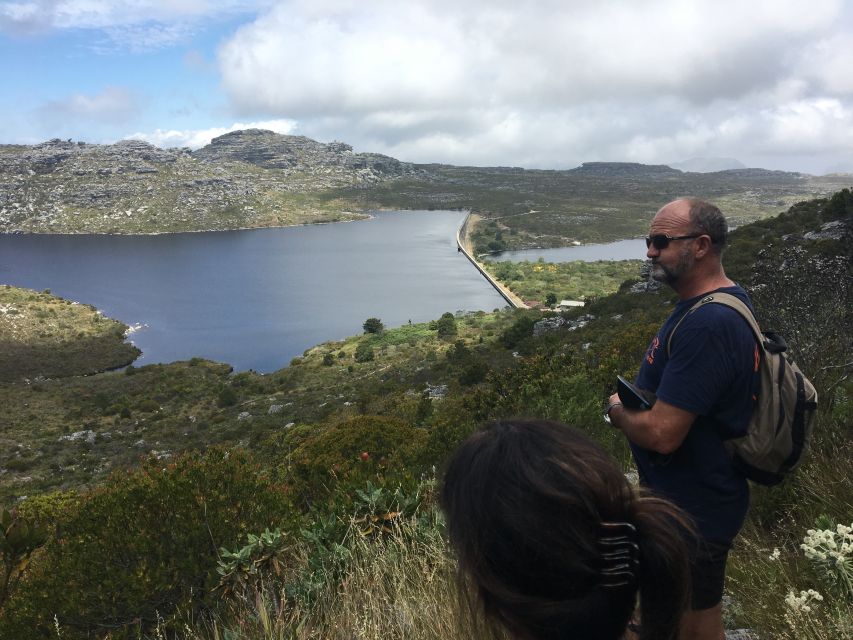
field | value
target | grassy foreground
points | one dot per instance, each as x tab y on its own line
315	517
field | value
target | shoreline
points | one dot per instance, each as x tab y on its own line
362	217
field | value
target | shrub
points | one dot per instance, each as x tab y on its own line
337	453
373	325
148	405
244	569
19	537
142	546
522	328
227	397
473	373
446	325
364	352
328	360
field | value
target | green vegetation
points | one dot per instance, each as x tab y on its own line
373	325
337	459
524	209
445	326
549	282
19	538
147	538
44	335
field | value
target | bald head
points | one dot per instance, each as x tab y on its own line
701	217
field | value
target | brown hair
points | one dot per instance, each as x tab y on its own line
525	501
706	218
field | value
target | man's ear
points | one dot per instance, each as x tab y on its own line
704	246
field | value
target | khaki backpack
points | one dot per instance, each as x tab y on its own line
780	429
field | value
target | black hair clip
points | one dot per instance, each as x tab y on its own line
619	554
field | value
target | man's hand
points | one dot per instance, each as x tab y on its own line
661	428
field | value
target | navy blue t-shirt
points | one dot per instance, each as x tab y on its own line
712	372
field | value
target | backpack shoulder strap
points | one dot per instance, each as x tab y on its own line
728	300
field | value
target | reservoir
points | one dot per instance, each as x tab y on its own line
632	249
257	298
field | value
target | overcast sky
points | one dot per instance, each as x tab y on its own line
538	84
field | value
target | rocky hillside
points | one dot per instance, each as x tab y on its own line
623	169
247	178
300	155
257	178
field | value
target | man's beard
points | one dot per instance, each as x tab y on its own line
671	275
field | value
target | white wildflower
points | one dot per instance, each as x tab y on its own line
831	551
775	555
802	602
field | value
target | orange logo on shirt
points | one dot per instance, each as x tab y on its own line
650	354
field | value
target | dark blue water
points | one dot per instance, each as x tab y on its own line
633	249
257	298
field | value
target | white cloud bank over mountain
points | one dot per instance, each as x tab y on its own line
197	138
553	83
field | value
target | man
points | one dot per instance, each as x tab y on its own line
705	395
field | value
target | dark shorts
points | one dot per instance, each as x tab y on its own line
708	573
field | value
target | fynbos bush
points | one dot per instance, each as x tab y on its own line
142	546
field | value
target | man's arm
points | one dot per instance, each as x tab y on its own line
662	428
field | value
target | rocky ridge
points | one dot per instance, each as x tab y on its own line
297	154
247	178
623	169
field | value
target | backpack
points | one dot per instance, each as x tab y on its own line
782	420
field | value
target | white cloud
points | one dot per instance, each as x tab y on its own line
543	83
363	56
549	83
197	138
812	126
41	15
113	104
140	38
136	26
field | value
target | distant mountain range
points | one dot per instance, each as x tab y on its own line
256	178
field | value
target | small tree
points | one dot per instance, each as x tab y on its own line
373	325
446	325
551	299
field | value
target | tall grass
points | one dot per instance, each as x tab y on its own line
401	584
768	565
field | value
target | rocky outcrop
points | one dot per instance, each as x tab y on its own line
126	156
833	230
132	186
297	154
547	325
648	285
557	323
623	169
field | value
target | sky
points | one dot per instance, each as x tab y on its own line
536	84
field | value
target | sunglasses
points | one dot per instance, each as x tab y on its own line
662	240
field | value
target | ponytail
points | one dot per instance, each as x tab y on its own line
664	571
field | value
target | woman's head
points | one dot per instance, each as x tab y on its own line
551	535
